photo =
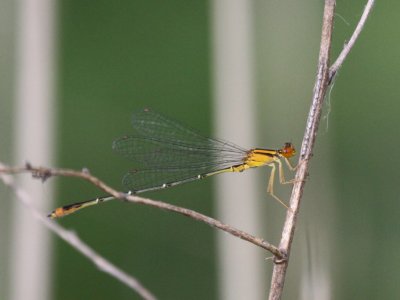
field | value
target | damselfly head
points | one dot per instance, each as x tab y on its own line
287	150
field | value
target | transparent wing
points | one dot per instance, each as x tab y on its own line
171	152
166	154
150	124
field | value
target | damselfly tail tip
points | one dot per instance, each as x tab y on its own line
68	209
71	208
57	213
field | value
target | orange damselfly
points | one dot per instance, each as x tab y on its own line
173	154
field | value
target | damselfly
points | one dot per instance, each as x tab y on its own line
172	154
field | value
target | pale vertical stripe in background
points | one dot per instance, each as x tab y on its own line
240	264
30	262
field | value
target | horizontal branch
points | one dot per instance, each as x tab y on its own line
44	173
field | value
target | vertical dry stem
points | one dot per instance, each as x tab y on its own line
320	88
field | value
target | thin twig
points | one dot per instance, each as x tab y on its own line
320	88
323	79
348	46
72	239
44	173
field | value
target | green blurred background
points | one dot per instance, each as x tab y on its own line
117	57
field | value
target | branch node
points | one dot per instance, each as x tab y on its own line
41	173
123	196
282	259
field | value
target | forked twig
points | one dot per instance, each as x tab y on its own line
348	46
72	238
323	79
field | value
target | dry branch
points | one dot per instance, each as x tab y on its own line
71	237
323	79
44	173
